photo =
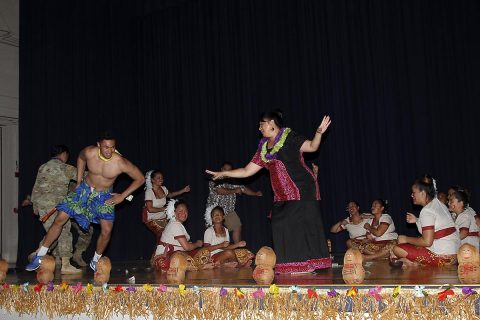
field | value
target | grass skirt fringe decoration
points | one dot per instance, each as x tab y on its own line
272	302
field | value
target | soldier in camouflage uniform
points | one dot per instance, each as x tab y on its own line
51	187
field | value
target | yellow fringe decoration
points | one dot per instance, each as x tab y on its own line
210	303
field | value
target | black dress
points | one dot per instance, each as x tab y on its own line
297	227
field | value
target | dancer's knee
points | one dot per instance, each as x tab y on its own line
61	219
399	252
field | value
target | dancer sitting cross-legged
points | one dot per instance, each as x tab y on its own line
354	224
176	239
217	240
439	240
381	233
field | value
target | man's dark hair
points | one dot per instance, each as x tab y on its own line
58	150
107	135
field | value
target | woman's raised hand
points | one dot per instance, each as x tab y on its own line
324	125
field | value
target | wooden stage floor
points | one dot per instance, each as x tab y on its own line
377	273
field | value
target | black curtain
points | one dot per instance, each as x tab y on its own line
181	85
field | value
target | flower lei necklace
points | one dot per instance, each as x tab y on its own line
102	157
277	145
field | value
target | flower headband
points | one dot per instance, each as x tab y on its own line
171	209
208	215
148	180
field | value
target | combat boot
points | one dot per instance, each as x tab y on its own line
67	268
77	258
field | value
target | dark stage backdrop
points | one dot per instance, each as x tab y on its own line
181	84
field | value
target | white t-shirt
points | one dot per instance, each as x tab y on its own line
390	234
157	203
356	231
209	237
436	216
466	220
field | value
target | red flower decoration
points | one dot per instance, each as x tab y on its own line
442	296
118	288
311	293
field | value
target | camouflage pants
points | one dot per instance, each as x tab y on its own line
62	247
84	237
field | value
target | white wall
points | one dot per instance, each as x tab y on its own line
9	75
9	193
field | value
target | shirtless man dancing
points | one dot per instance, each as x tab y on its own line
93	200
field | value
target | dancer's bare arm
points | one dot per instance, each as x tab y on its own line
179	192
426	240
138	180
312	145
250	192
249	170
189	246
225	191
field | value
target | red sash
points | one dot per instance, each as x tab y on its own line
444	232
472	234
381	241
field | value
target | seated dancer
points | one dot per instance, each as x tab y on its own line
175	238
217	240
465	222
443	197
93	200
439	240
156	195
354	224
469	209
381	233
224	193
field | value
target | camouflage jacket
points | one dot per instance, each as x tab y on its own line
51	185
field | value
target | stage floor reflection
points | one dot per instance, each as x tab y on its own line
140	272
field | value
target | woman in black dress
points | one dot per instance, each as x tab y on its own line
298	235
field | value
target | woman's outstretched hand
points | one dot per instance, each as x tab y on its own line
215	175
